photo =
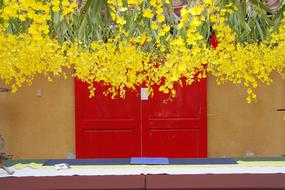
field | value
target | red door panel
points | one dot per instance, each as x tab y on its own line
106	128
173	143
176	129
131	127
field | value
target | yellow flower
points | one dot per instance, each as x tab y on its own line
121	21
196	22
148	13
160	18
181	25
166	28
209	2
213	18
184	12
123	62
197	10
55	6
153	3
161	33
159	10
65	3
120	3
154	25
55	9
134	2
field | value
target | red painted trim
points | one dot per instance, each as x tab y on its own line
204	119
77	116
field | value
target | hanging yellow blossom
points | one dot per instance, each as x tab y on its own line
127	50
148	13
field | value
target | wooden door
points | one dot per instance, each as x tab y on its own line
106	128
176	128
132	127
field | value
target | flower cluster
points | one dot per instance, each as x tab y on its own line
148	45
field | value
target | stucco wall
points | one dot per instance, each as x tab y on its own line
236	128
43	127
39	127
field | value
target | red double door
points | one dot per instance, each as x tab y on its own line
133	127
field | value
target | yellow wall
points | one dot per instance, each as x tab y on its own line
235	127
39	127
43	127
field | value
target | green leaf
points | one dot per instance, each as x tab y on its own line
279	14
261	5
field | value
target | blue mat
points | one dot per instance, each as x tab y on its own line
111	161
150	161
201	161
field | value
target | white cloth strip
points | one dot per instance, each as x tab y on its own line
25	172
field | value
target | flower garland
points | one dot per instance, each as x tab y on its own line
146	44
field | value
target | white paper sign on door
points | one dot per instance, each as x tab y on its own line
144	95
